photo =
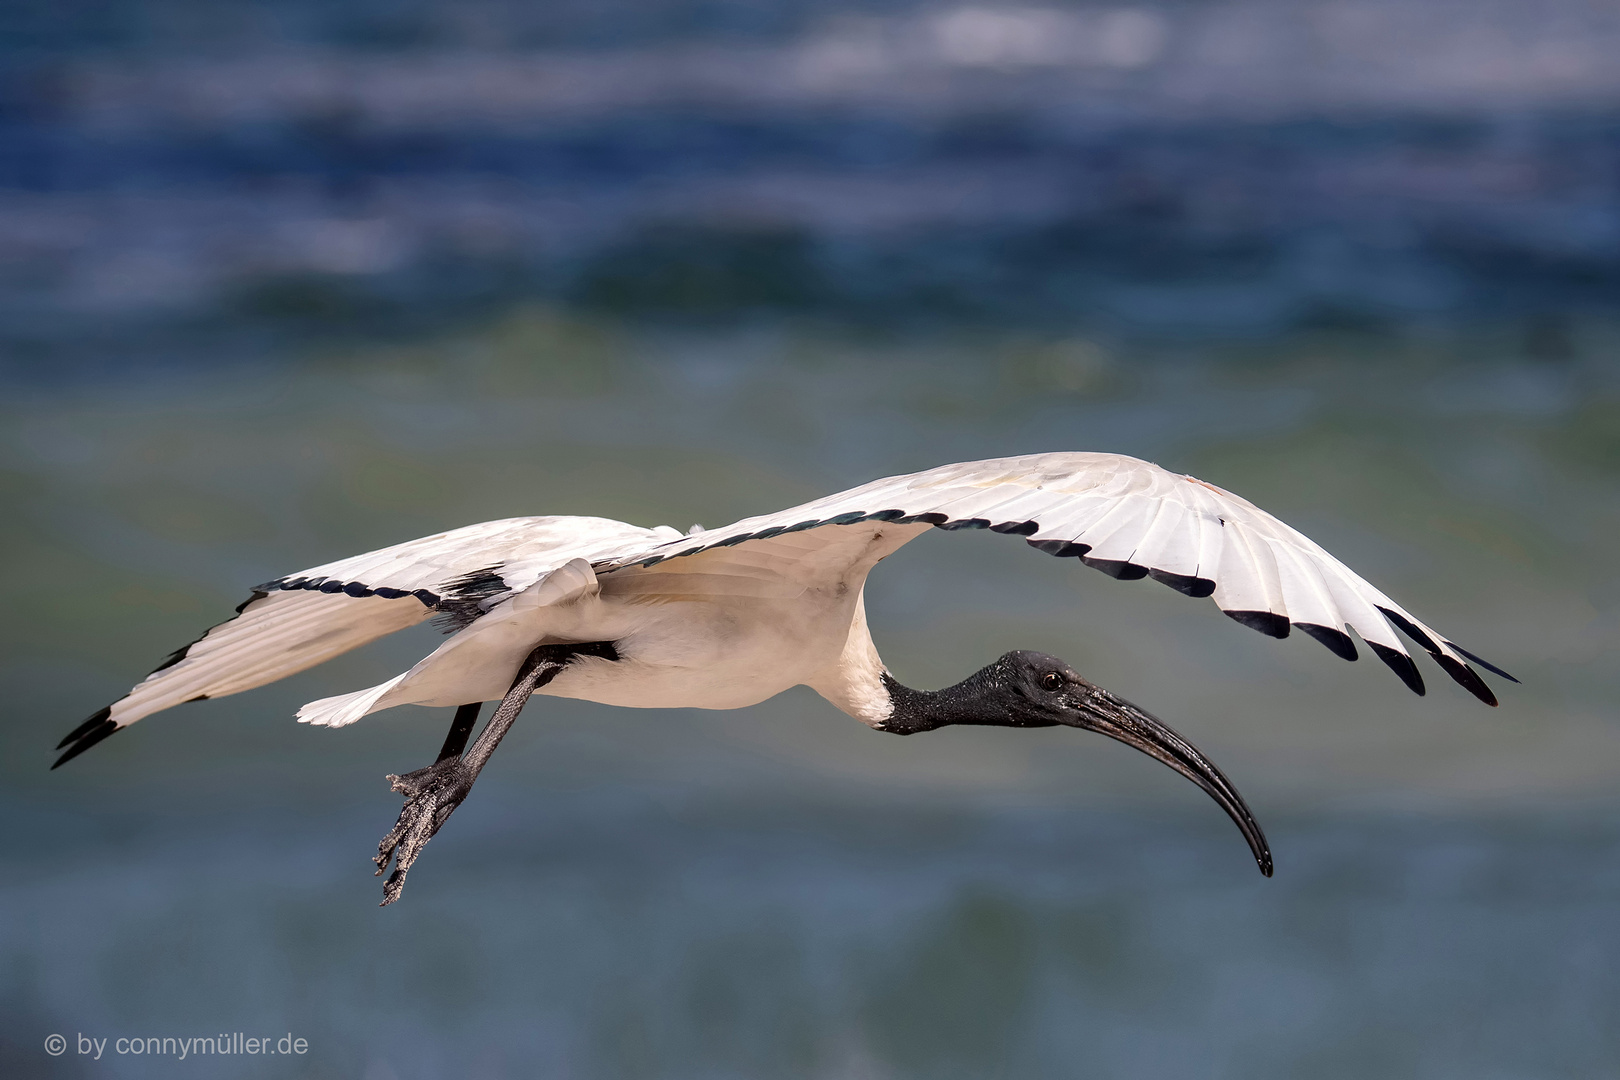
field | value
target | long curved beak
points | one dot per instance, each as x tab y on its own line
1118	719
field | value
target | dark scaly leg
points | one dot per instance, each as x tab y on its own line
433	793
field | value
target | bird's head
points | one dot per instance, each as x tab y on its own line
1036	690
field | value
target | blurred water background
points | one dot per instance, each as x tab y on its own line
284	281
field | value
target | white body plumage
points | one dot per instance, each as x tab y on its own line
721	629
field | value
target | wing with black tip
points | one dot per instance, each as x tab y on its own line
1130	519
297	621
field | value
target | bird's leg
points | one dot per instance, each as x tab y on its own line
433	793
460	728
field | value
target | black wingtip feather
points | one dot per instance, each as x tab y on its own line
1401	665
87	740
1267	622
1119	569
1461	673
1188	586
1411	630
1467	678
173	658
79	732
1337	641
1486	664
1063	549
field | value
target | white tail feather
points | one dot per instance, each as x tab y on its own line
345	709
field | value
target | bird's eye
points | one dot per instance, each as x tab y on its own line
1052	681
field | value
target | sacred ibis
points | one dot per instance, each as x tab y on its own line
590	608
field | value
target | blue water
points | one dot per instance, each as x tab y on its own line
1238	168
626	934
778	891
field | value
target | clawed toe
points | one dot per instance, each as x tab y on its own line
431	795
385	850
412	783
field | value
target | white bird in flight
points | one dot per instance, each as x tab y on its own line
590	608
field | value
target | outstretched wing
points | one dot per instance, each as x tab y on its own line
295	622
1131	519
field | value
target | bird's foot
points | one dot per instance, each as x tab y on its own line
431	794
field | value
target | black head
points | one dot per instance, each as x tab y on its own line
1041	690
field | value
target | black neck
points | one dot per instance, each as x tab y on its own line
982	698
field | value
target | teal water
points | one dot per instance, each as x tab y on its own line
778	892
